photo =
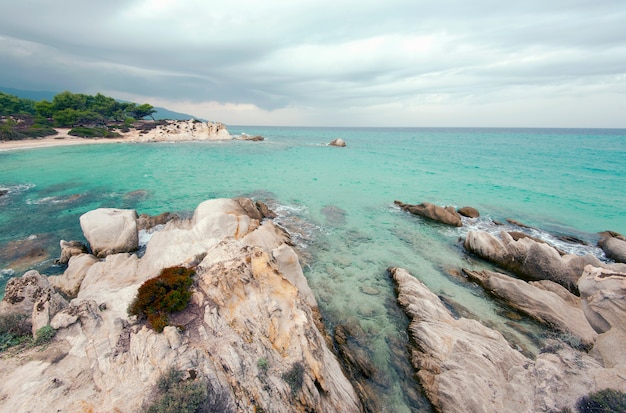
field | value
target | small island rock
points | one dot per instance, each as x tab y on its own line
337	142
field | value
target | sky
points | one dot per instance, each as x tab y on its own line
485	63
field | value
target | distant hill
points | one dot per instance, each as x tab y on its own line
161	113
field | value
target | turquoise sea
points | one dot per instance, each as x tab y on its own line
338	204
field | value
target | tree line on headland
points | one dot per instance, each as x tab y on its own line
86	115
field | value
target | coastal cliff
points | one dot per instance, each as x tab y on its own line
249	337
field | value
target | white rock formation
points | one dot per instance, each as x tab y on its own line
190	130
252	319
110	230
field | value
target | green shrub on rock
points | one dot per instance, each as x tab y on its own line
175	394
44	335
295	377
13	330
160	296
604	401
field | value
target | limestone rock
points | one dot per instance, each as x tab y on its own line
613	245
545	301
110	230
469	212
464	366
528	258
32	298
337	142
445	215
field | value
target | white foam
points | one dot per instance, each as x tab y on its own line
146	235
486	224
7	272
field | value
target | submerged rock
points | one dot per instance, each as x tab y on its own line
250	330
445	215
464	366
251	138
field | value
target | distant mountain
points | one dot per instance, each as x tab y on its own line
29	94
161	113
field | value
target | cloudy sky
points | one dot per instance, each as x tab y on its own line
532	63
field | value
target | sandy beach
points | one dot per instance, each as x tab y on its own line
62	139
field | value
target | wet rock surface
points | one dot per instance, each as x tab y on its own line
445	215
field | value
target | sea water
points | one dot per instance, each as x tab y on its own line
338	203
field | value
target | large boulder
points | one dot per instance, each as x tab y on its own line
445	215
603	294
613	245
32	300
110	230
530	259
545	301
464	366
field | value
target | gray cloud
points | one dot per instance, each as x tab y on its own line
320	56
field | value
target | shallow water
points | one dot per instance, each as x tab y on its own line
338	204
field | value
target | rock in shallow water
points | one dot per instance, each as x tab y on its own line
445	215
530	259
467	367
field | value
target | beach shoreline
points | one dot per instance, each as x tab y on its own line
63	138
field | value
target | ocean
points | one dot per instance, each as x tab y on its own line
338	203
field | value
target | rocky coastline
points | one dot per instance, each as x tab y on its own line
252	336
250	332
164	131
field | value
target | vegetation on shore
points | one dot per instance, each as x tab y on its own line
175	394
88	116
15	331
160	296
